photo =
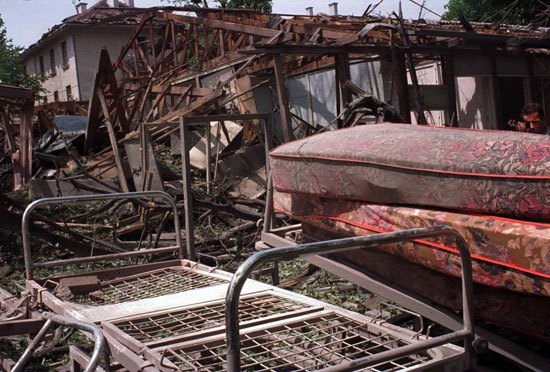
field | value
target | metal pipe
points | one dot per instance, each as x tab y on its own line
86	198
268	145
27	354
99	340
208	135
187	194
268	213
339	245
113	256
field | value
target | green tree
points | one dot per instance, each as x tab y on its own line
263	5
521	12
11	69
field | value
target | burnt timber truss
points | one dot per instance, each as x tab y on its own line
176	64
16	109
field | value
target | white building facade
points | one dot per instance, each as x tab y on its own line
68	55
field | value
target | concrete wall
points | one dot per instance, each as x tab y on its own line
88	45
62	76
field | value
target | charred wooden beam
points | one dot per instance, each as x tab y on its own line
284	111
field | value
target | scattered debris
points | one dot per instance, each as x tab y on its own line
216	67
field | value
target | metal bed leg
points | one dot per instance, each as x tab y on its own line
331	246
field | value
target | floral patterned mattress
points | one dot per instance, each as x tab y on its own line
505	253
486	172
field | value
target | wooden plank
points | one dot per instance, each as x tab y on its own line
187	195
400	77
449	82
284	110
208	156
94	108
7	128
195	105
133	152
247	103
176	90
146	18
53	188
228	26
20	327
114	144
110	79
25	142
160	96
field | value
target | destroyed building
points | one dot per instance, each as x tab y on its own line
192	105
67	54
313	72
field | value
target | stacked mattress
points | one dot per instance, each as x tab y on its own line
493	187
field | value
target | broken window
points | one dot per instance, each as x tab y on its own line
56	96
69	92
64	55
52	62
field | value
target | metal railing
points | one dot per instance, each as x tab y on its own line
87	198
339	245
51	319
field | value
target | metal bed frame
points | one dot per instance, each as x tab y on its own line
51	319
162	333
276	237
465	334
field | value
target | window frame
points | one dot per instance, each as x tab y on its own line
42	67
64	55
53	72
69	92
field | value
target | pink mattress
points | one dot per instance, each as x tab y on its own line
486	172
506	253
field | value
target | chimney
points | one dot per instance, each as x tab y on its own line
112	3
333	9
309	10
80	7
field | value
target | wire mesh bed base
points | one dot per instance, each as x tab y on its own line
172	315
281	331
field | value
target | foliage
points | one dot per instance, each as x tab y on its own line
507	11
11	69
263	5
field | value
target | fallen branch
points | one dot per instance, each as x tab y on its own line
233	231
